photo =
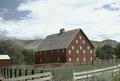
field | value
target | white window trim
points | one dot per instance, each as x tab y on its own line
76	41
84	59
72	47
80	47
77	59
91	58
58	59
80	37
83	41
88	47
91	51
69	51
77	51
70	59
84	51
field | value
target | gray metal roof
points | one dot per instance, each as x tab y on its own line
57	41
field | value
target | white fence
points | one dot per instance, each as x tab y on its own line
88	74
37	77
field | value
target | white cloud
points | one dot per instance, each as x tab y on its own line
48	16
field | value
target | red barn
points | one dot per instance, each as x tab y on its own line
5	61
65	46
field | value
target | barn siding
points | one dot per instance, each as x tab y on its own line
51	56
5	63
80	55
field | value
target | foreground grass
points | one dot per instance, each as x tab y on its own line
66	73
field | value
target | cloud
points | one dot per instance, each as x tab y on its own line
8	10
48	16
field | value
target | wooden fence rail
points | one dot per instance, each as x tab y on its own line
88	74
36	77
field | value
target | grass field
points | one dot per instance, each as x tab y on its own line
66	73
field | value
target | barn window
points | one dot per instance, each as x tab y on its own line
83	41
77	51
77	59
84	59
91	51
80	37
69	51
44	52
58	51
91	59
69	59
52	51
40	60
80	47
58	59
76	41
88	47
83	51
63	50
72	47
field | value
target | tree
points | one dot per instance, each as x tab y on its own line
117	51
29	56
107	51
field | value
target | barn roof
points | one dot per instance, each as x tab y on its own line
3	57
58	40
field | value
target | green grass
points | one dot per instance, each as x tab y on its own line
66	73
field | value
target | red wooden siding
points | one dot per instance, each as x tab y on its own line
77	52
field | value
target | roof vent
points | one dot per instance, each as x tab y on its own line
62	30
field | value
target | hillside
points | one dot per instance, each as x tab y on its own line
112	43
28	44
32	44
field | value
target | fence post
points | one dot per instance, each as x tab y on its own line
73	75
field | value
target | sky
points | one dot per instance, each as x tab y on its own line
35	19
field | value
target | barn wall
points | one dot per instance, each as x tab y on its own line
74	53
51	56
5	63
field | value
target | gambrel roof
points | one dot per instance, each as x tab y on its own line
59	40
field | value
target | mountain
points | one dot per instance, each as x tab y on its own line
33	44
28	44
110	42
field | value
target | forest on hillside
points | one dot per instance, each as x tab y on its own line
21	55
18	54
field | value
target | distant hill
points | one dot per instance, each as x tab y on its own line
28	44
33	44
110	42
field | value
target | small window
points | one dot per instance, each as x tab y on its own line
84	59
91	58
72	47
80	47
83	51
63	50
69	51
52	51
77	51
80	37
77	59
58	59
88	47
44	52
40	60
69	59
76	41
91	51
83	41
58	51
